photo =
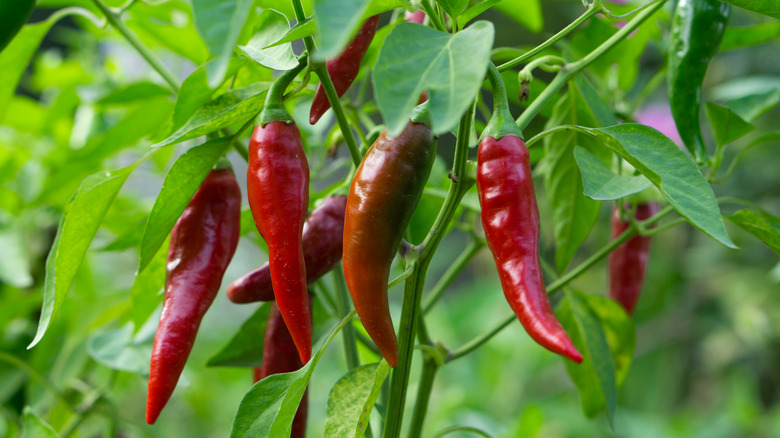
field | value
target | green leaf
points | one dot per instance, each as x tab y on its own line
601	184
619	330
133	93
526	12
300	31
752	106
35	427
352	399
119	350
745	36
14	259
272	26
15	57
453	8
180	184
595	377
168	27
337	22
268	408
766	7
195	92
671	170
726	124
473	11
77	228
760	226
602	113
417	58
13	15
220	24
245	348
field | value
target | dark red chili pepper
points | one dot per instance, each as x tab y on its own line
202	243
281	356
384	194
278	188
344	69
627	263
322	238
510	218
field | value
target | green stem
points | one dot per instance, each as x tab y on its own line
300	17
27	369
333	97
430	10
449	275
274	110
419	259
342	307
501	123
116	22
593	9
479	340
429	368
569	70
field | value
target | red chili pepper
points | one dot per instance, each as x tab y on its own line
202	243
281	356
383	196
322	238
344	69
278	188
627	263
510	218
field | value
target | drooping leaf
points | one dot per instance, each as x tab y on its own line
752	106
726	124
118	349
601	184
417	58
220	24
352	399
767	7
271	27
763	226
180	184
245	348
745	36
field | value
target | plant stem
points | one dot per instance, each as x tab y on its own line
300	17
450	274
420	258
569	70
429	368
342	308
593	9
116	22
333	97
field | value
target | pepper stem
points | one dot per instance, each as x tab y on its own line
501	123
274	110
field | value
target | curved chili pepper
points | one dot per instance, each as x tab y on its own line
627	263
203	242
278	188
323	234
510	218
382	198
344	69
697	28
280	356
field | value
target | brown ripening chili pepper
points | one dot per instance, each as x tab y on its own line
510	218
281	356
627	263
203	242
382	198
344	69
278	188
323	234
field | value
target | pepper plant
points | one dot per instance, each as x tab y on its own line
387	152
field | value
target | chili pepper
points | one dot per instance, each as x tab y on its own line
203	242
415	17
344	69
322	239
382	198
627	263
510	218
13	15
280	356
278	188
697	28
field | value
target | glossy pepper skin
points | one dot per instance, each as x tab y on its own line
627	263
280	356
344	69
382	198
322	237
697	28
278	188
510	218
203	242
